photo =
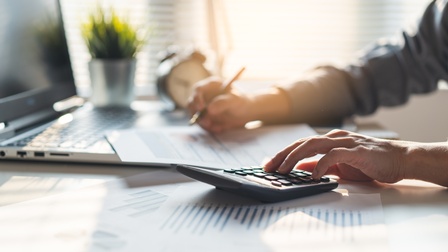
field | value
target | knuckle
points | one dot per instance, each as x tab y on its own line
363	150
333	152
337	132
314	140
336	152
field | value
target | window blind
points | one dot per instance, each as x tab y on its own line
274	39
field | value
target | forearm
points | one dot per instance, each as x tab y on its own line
271	106
321	97
386	75
428	162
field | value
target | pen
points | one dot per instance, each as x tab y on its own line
225	89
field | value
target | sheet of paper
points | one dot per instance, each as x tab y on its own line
18	186
194	146
165	211
103	217
201	218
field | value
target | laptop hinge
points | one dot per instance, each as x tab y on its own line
16	126
5	131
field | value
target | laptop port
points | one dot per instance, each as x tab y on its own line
60	154
39	154
21	154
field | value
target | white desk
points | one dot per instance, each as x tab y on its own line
416	213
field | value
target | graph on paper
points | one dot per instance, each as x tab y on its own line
203	219
213	220
138	203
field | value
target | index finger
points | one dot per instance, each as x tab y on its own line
278	159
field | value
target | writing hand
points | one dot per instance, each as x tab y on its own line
224	110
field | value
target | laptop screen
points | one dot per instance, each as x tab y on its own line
35	70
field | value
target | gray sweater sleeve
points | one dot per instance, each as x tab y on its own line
386	75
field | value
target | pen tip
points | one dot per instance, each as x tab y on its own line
193	119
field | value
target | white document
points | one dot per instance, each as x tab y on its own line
189	216
201	218
194	146
99	218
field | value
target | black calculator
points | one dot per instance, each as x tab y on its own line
254	182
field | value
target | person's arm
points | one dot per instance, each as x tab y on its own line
357	157
270	106
235	109
387	74
428	162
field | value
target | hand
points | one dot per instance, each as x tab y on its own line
224	111
346	154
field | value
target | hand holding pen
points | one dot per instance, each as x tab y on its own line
226	88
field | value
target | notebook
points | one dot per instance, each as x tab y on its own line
40	114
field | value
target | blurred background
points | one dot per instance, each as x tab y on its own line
275	39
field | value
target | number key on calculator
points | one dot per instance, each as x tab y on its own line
254	182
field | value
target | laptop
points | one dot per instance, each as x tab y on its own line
39	106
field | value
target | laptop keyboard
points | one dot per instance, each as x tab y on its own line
86	129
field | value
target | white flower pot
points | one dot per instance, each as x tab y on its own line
112	82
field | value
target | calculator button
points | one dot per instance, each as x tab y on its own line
295	177
276	183
280	176
325	179
259	174
306	179
295	181
284	182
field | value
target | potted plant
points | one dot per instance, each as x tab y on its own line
113	44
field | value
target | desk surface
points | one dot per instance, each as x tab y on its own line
416	213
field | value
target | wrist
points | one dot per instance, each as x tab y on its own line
270	106
428	162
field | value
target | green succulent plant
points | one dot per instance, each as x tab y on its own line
110	37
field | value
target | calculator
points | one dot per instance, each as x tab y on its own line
254	182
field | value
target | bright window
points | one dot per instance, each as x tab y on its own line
274	39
